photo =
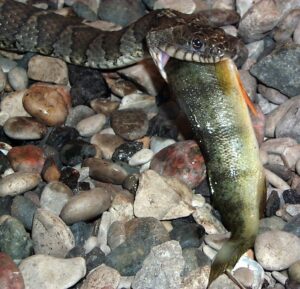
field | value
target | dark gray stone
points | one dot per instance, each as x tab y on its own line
81	232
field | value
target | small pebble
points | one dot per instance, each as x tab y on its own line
18	78
294	271
7	64
91	125
141	157
125	151
107	107
2	80
187	7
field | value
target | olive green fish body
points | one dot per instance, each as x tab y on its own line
211	97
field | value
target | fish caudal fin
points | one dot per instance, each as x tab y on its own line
227	257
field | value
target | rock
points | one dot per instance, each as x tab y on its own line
293	226
46	104
84	11
121	208
91	125
105	171
141	235
273	204
272	251
249	83
114	11
223	282
187	7
130	124
78	113
159	143
47	272
197	279
279	69
94	259
291	197
141	157
266	106
162	198
276	181
139	101
50	235
10	275
116	234
69	176
102	277
216	241
105	106
48	69
18	78
107	143
81	232
272	94
86	206
242	6
296	36
86	84
161	268
3	80
59	136
294	271
7	64
271	223
255	49
182	160
4	163
27	158
23	209
54	196
126	150
18	183
24	128
14	240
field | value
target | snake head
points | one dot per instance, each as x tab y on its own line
196	43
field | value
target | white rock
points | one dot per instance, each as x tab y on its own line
162	268
90	244
158	143
91	125
242	6
46	272
277	250
162	198
141	157
279	277
276	181
102	232
187	6
50	235
4	116
138	100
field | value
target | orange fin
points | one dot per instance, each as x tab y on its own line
246	97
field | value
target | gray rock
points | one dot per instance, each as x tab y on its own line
12	103
294	271
242	6
78	113
271	223
249	82
162	268
280	69
272	94
2	80
18	78
293	226
7	64
91	125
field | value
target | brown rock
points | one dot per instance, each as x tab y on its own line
104	106
51	171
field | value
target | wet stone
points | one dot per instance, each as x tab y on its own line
18	78
279	69
81	232
273	204
293	226
160	126
23	209
86	85
91	125
125	151
130	124
182	160
69	176
24	128
10	275
74	152
14	240
59	136
78	113
291	196
28	158
131	183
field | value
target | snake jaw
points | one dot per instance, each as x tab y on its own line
160	59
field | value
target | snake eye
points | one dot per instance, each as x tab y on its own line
197	43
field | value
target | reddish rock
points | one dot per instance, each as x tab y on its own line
27	158
51	171
182	160
10	276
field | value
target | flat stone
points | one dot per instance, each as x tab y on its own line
47	272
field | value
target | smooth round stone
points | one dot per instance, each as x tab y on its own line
78	113
105	171
277	250
74	152
23	209
141	157
104	106
86	206
125	151
294	271
10	275
47	272
159	143
24	128
51	171
18	78
48	69
12	103
183	161
14	240
4	116
18	183
27	158
139	101
2	80
293	226
271	223
7	64
91	125
50	235
54	196
59	136
245	276
107	143
46	104
116	234
102	277
130	124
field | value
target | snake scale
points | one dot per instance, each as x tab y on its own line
187	38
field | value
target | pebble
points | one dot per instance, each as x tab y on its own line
96	200
59	136
125	151
255	49
159	143
107	143
187	7
105	106
3	80
54	196
182	160
23	209
69	176
198	278
223	282
18	183
277	250
139	101
294	271
48	69
14	240
216	241
116	234
130	124
273	204
18	78
84	11
24	128
296	36
242	6
47	272
91	125
78	113
141	157
10	275
105	171
81	232
276	181
161	197
162	268
94	258
27	158
102	277
249	82
7	64
272	94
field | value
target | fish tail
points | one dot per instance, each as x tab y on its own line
228	255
